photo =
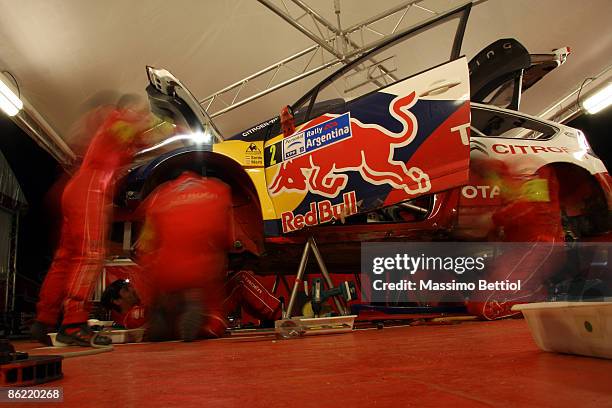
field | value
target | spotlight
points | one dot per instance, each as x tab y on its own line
9	102
599	100
201	138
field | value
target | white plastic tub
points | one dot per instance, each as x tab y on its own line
583	328
101	323
125	336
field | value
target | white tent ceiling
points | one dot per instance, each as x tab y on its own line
66	52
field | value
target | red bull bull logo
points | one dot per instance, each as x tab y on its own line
320	213
318	158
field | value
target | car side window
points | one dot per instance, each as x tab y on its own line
494	123
337	105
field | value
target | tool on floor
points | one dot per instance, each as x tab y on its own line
319	294
288	329
307	326
18	369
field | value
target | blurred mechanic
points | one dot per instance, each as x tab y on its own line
123	301
183	246
530	213
86	208
243	289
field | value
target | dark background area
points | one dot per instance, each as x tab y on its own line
36	171
598	130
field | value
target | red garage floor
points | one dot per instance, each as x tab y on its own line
469	364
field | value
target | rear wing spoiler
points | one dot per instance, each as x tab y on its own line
501	72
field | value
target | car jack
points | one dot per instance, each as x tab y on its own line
291	327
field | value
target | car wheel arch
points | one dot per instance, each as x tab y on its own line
582	199
246	203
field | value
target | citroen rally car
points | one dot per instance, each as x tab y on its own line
390	161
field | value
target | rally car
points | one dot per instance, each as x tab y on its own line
379	158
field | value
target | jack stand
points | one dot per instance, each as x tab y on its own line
311	245
289	328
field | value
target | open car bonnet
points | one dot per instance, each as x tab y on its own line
170	99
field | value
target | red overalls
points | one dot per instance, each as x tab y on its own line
242	289
86	210
530	214
187	235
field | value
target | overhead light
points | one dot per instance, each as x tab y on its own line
9	102
599	100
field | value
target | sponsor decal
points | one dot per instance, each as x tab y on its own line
320	213
314	162
484	191
500	148
253	156
318	136
254	286
464	133
259	127
478	146
293	146
481	59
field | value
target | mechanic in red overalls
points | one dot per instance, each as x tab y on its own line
530	213
123	301
242	288
86	209
183	247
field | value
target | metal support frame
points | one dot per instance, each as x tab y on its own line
33	124
324	43
341	39
127	237
311	245
11	275
334	44
462	10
